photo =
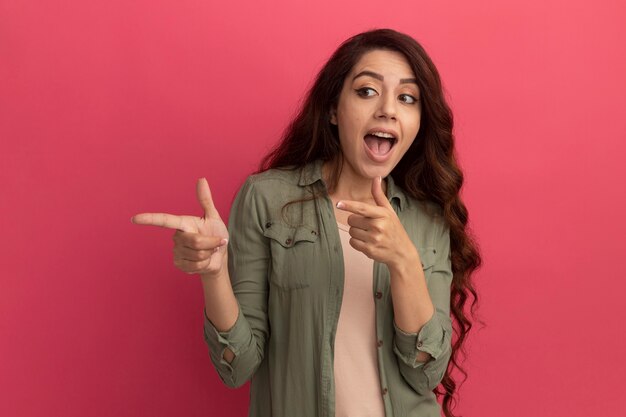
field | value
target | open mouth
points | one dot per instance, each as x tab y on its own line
380	143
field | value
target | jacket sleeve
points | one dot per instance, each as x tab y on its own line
248	260
436	334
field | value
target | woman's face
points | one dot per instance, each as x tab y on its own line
378	113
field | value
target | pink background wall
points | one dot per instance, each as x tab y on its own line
109	108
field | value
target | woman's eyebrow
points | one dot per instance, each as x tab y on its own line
368	74
381	78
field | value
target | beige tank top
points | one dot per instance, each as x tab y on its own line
357	382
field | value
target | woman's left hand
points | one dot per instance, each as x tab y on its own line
377	232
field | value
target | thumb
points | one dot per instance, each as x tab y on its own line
206	200
378	193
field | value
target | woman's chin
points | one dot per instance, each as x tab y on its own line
372	173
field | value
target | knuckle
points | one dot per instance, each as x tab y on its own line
202	265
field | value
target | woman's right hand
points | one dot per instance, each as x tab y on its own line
199	242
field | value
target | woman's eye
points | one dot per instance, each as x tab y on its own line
366	92
408	99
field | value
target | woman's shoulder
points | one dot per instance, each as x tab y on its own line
274	188
292	182
271	177
269	195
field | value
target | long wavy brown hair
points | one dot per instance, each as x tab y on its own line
428	171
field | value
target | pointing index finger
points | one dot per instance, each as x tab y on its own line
357	207
168	221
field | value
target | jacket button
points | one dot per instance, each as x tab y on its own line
379	294
268	225
313	232
288	241
380	343
420	344
385	391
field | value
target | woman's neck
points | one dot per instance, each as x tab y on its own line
349	185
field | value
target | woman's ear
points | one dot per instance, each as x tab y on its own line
333	117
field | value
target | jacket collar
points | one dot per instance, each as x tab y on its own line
312	172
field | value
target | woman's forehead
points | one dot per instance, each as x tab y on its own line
383	63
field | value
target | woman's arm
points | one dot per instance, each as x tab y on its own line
433	340
236	298
220	304
236	340
412	306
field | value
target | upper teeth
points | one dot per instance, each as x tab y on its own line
382	135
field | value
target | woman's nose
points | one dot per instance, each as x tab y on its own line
386	107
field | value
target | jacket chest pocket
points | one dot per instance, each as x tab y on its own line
294	252
428	256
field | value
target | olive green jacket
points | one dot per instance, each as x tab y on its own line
287	272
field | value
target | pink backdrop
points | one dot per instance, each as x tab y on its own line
109	108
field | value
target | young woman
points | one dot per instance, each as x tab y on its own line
347	255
